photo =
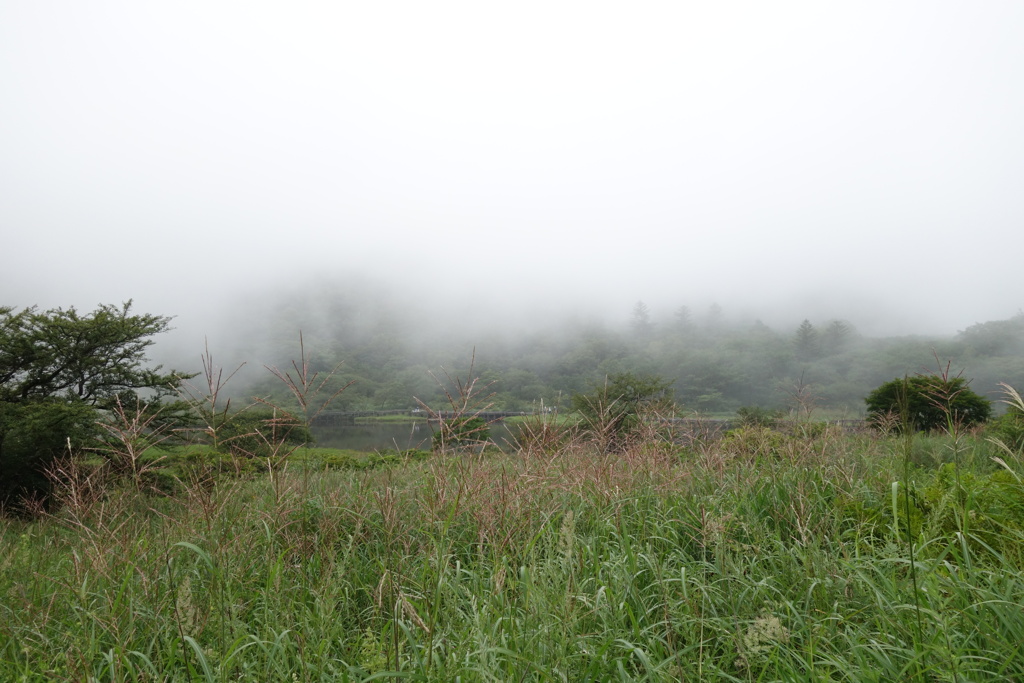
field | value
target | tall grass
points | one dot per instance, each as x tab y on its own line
762	556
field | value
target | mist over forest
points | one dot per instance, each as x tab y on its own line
397	344
407	183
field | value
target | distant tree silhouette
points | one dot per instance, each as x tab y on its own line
683	319
641	320
837	337
806	342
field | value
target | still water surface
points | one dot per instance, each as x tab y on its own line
380	435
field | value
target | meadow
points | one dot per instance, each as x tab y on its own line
806	555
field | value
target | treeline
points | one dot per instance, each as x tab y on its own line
394	355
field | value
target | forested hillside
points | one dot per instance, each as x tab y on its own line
396	351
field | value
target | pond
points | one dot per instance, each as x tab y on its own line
376	436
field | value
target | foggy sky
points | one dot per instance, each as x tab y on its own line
785	160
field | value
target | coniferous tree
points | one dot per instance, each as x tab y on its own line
837	337
806	342
641	320
683	319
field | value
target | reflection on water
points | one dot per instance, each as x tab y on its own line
376	436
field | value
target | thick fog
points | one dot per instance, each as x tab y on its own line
516	162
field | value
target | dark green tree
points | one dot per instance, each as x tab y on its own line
95	358
926	403
683	319
59	371
615	410
806	342
837	337
640	320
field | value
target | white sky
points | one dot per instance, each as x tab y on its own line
792	159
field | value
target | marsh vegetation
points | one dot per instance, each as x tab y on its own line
611	543
807	554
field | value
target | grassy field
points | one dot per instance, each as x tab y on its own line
810	556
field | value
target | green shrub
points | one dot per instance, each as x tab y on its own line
461	432
756	416
261	433
926	403
616	410
541	434
33	436
986	506
205	463
1009	428
339	461
161	481
810	430
353	460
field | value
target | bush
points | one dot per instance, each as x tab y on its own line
355	460
756	416
541	434
1009	428
460	432
926	403
616	409
262	433
996	507
33	436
